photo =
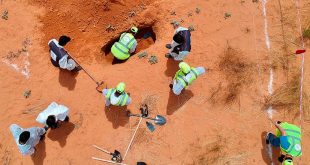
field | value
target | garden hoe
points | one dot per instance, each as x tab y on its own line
98	84
159	120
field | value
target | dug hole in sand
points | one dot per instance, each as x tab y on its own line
220	119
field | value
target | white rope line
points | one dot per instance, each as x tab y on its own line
302	63
132	138
270	83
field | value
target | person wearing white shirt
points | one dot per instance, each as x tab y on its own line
53	115
59	56
27	139
181	44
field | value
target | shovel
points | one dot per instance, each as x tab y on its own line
99	84
159	120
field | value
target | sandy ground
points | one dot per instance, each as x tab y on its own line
220	119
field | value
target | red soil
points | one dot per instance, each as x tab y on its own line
201	128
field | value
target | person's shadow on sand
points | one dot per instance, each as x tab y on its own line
177	101
60	134
275	151
172	67
117	115
40	154
67	78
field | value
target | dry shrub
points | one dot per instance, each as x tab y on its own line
306	32
280	59
211	153
238	73
287	96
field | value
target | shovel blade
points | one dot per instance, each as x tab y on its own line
150	126
160	120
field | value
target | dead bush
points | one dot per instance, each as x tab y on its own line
211	153
238	73
287	96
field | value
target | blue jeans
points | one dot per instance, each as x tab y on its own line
273	140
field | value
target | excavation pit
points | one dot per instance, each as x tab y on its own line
145	38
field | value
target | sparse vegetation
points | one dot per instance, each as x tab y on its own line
306	33
227	15
153	60
191	28
5	15
143	54
198	10
238	73
175	23
27	93
280	59
110	28
286	97
131	13
211	153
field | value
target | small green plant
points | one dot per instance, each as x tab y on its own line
132	13
306	33
175	23
110	28
27	93
5	15
153	60
198	10
191	28
189	14
227	15
142	55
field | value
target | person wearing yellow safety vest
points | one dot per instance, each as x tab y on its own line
288	138
117	96
126	45
185	77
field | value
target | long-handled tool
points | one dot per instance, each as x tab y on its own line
116	155
159	120
86	71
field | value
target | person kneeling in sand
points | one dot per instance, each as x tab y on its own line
185	77
27	139
53	115
126	45
116	96
60	57
181	44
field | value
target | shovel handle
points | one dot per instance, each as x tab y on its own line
101	149
135	115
